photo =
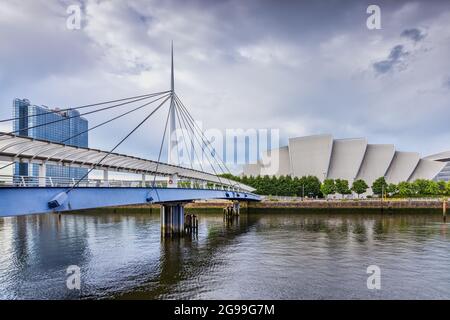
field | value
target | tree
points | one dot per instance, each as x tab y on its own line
273	186
421	186
432	188
290	189
328	187
313	186
265	185
342	186
447	188
392	189
229	176
379	186
309	184
359	187
441	186
406	189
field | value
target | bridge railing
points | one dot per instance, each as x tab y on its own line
35	181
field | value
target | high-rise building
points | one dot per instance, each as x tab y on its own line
62	126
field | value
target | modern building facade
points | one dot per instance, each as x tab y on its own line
62	126
349	159
444	175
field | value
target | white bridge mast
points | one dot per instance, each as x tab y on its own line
172	158
172	145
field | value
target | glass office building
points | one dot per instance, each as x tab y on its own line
63	127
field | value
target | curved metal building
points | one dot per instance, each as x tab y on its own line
276	162
310	155
376	162
350	159
346	158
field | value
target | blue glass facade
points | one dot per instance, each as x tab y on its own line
62	131
444	174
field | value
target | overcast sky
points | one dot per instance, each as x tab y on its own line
305	67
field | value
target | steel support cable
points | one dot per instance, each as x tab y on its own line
172	105
215	172
76	116
196	138
203	137
160	152
6	166
207	144
184	140
117	145
202	134
115	118
103	123
85	106
191	135
201	147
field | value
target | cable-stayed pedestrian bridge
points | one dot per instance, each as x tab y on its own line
169	184
42	152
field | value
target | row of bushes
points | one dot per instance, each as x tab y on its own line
310	186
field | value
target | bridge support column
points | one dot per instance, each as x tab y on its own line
237	207
143	180
105	178
42	175
172	219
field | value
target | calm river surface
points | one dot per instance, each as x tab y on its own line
272	254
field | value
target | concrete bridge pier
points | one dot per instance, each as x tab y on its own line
236	207
172	219
231	211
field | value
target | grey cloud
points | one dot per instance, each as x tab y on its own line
395	58
413	34
447	83
123	49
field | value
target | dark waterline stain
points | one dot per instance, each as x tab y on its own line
264	254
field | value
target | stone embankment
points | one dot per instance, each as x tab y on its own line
323	204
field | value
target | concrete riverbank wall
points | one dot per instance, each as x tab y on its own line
351	204
323	204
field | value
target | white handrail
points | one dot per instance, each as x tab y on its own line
34	181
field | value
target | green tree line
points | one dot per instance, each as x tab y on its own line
310	186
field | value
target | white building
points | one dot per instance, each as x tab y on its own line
349	159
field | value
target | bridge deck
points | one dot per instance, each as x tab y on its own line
33	200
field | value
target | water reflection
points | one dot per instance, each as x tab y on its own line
281	254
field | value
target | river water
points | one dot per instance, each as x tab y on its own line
271	254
